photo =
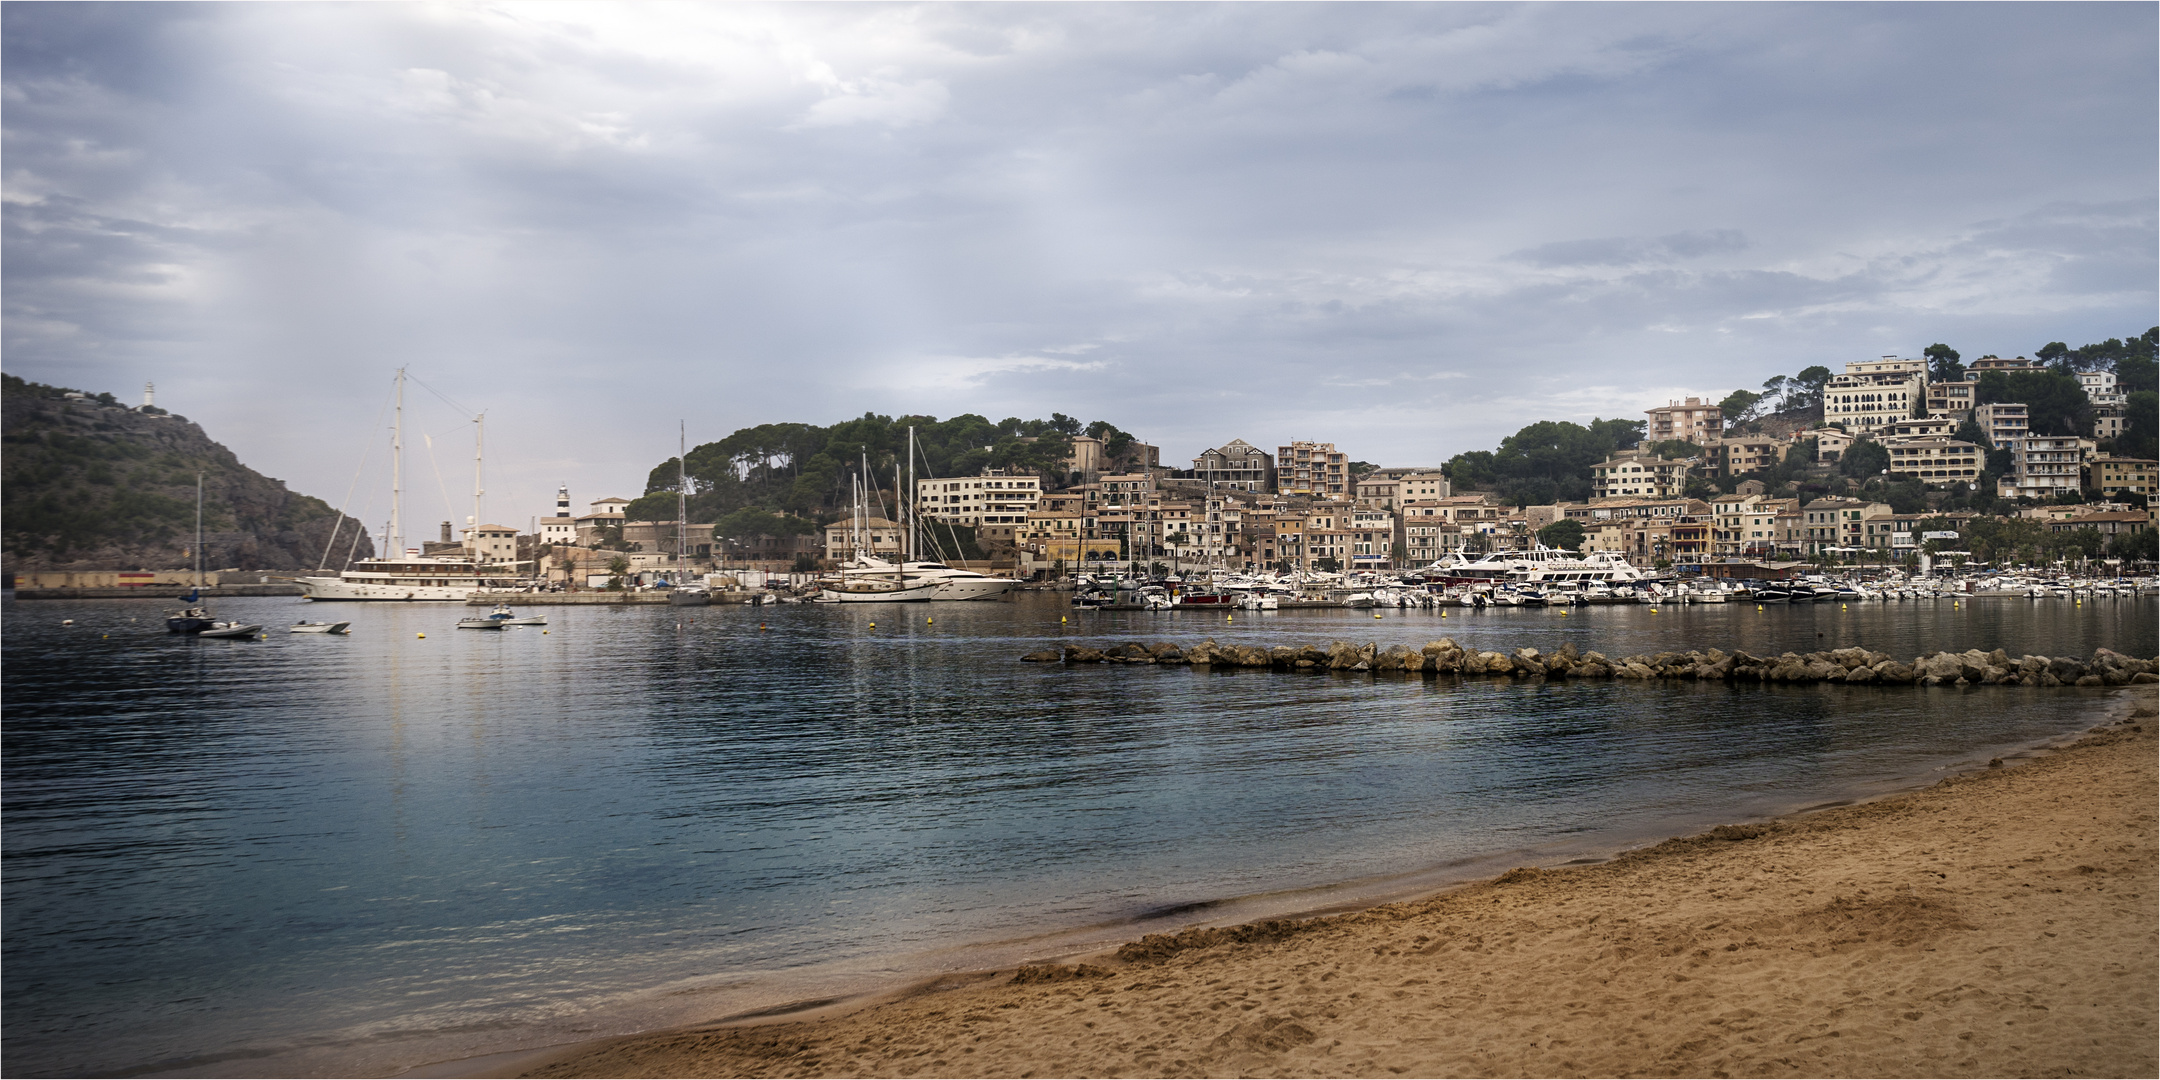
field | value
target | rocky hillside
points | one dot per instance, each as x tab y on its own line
87	483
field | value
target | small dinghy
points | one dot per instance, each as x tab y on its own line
304	627
231	630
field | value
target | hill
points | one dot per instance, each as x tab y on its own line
89	484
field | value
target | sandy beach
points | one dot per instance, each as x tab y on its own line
2001	923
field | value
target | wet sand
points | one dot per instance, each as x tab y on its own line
2001	923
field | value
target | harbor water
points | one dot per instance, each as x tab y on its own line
318	855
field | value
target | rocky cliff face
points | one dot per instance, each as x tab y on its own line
89	484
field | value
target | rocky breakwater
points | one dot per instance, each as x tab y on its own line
1447	657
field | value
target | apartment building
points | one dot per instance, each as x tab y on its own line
1314	469
1997	363
1938	462
1694	420
1051	535
1933	427
1954	400
1423	536
996	497
1872	393
1236	464
1372	539
1837	523
2043	466
2003	423
2110	406
2113	476
1379	492
1639	473
601	517
1752	526
1327	537
1888	531
1424	484
1740	455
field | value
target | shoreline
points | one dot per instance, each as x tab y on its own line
816	1031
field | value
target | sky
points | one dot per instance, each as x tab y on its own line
1408	229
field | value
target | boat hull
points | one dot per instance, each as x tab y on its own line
982	588
324	589
908	595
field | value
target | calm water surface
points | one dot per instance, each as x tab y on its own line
312	855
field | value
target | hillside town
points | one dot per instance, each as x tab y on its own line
1877	464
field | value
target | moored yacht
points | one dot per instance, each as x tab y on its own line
418	577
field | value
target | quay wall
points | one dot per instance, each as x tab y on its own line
165	592
526	599
1849	665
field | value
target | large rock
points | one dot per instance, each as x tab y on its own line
1343	656
1081	654
1527	662
1041	656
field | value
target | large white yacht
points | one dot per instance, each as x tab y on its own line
418	577
1540	564
946	582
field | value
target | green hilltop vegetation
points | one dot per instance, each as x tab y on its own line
89	483
782	478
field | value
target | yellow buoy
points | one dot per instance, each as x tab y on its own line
873	626
419	635
930	620
1653	611
1563	614
1061	618
1841	607
1758	607
543	631
1376	615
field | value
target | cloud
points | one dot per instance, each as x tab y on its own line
1407	228
1634	251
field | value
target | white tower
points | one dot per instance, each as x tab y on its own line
562	501
149	394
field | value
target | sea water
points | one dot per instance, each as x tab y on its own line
356	855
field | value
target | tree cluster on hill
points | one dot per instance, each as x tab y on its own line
1546	462
803	472
87	483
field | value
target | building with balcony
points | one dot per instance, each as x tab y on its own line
1694	420
994	498
1236	464
1639	474
1953	399
2003	423
1314	469
1937	462
1872	393
2043	466
2113	476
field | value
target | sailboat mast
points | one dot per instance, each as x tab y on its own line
198	527
397	474
914	511
682	501
479	445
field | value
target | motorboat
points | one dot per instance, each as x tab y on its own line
193	620
233	630
507	617
304	627
481	622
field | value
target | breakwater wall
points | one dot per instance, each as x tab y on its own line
1446	657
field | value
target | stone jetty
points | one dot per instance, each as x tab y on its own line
1446	657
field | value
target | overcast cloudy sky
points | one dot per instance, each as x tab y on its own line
1405	228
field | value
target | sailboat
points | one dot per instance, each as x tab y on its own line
868	579
196	619
398	575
